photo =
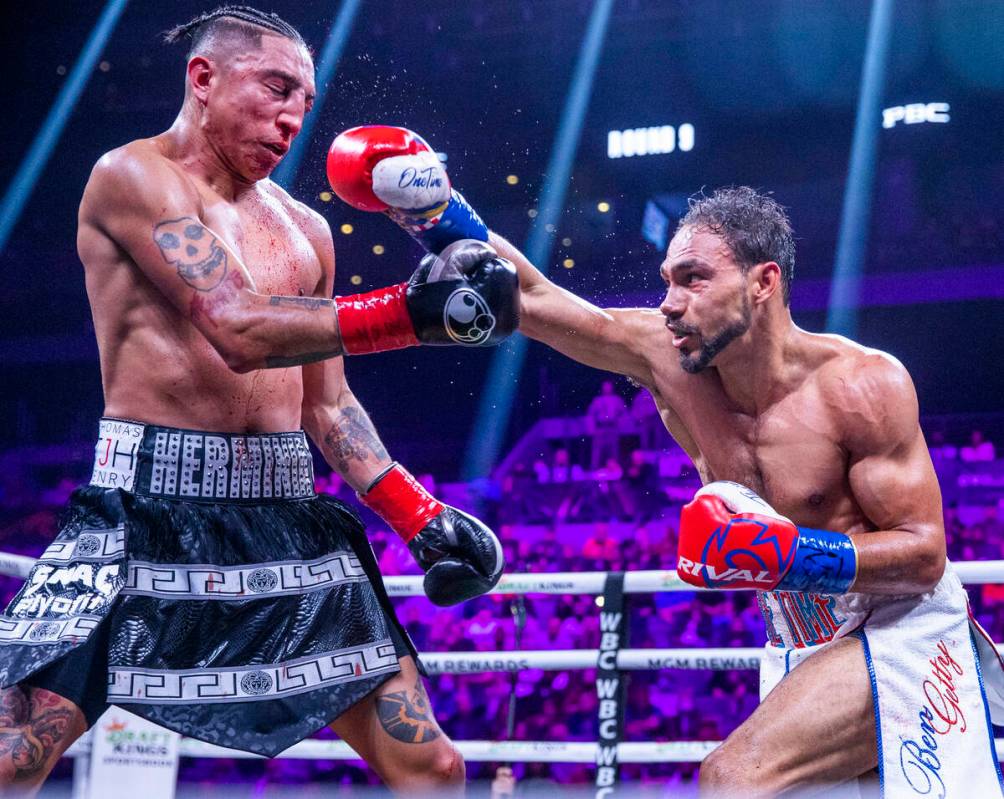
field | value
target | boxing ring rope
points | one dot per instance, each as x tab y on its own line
566	583
569	583
472	751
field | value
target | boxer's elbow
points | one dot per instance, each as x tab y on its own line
929	561
231	338
239	356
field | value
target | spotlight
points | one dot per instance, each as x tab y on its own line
532	213
568	263
603	206
566	242
325	196
104	66
378	249
355	280
346	228
512	180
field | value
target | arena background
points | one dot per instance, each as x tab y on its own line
772	92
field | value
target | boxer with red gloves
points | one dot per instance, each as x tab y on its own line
391	169
731	538
460	555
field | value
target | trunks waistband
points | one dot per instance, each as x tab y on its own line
197	466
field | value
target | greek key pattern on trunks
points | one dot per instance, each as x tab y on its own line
46	631
88	545
251	683
199	581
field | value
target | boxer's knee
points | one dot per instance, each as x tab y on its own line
447	766
715	775
437	771
733	770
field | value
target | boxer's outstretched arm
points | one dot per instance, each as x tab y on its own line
622	340
146	206
891	477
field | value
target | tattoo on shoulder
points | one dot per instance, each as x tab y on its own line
197	254
307	303
353	438
407	716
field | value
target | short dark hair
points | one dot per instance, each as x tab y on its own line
753	225
244	21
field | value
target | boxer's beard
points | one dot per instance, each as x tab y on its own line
694	362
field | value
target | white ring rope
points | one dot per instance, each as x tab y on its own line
723	659
473	751
635	582
479	751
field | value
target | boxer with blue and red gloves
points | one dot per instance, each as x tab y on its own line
393	170
732	538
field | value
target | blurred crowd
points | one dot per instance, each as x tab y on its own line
604	495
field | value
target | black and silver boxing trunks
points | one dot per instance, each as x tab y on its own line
199	582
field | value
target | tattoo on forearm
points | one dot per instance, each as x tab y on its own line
34	726
307	303
353	438
285	361
194	250
206	304
407	716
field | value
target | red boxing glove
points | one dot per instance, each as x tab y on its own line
401	501
460	555
375	321
731	538
355	153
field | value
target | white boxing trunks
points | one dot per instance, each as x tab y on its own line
937	680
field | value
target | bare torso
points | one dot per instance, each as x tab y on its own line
155	365
792	453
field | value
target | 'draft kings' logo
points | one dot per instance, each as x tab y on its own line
940	715
124	741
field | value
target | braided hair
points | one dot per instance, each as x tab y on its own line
245	21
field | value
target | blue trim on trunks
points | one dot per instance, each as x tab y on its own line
860	634
986	708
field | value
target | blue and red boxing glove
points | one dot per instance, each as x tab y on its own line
731	538
393	170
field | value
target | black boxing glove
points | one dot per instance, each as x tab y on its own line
466	295
461	557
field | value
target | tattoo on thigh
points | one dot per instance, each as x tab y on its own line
32	729
407	716
352	438
197	254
